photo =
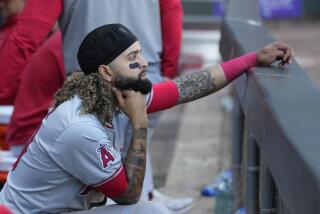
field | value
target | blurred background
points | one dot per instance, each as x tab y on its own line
185	164
193	149
292	21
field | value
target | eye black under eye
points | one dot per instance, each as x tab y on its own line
134	65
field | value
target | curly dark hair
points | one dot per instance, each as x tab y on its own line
96	95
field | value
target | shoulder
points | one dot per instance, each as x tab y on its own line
66	122
85	128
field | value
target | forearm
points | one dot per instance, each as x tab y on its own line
193	86
199	84
135	164
213	78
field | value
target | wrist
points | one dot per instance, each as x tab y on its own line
139	133
260	59
140	122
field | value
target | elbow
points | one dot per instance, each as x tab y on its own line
133	200
128	198
127	201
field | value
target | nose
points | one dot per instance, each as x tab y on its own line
143	63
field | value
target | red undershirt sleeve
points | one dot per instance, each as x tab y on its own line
235	67
164	95
171	26
114	186
4	210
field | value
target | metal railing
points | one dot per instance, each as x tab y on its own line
276	139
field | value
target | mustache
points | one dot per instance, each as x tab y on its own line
139	85
141	74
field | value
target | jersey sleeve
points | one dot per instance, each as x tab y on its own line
163	95
85	151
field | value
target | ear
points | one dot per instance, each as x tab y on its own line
106	72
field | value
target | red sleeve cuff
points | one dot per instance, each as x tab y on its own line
237	66
164	95
4	210
115	185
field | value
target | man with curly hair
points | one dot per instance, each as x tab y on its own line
32	70
75	160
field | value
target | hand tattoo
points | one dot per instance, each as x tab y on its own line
140	133
134	164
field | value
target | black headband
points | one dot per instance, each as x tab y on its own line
103	45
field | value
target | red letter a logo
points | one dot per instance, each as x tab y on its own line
104	155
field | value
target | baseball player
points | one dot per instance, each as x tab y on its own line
157	24
74	160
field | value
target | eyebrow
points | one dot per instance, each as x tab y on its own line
134	52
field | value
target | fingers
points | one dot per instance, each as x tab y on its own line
279	54
281	45
289	55
288	51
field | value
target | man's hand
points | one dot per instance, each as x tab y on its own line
275	51
133	104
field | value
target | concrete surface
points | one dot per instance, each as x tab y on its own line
304	37
202	151
191	144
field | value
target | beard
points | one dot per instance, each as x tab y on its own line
130	83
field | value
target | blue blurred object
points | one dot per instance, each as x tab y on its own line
275	9
219	9
219	185
268	9
241	211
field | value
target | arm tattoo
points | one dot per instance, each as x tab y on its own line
134	164
140	133
195	85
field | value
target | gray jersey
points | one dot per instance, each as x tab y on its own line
70	159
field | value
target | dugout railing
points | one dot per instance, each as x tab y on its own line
276	124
